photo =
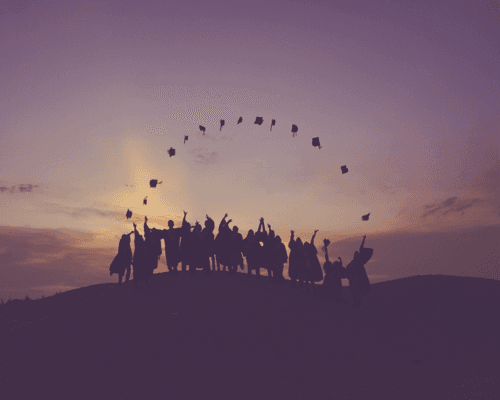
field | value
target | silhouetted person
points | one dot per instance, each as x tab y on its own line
356	273
141	270
235	250
186	248
123	259
268	251
200	250
152	245
314	271
296	260
279	257
221	244
334	273
171	237
208	233
251	249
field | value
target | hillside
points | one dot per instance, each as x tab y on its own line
232	337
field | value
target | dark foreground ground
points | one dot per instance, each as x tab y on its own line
232	337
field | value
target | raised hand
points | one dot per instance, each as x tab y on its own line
229	221
135	226
206	215
145	218
292	231
185	213
269	226
317	230
225	216
364	237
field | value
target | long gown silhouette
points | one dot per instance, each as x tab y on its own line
141	272
251	252
235	250
334	273
123	259
278	257
185	248
356	273
314	272
296	260
172	236
208	233
268	252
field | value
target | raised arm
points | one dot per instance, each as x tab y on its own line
362	244
184	219
313	236
147	231
326	243
222	222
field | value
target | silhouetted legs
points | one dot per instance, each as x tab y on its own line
184	266
127	276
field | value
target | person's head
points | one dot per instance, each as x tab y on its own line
271	234
186	227
278	239
250	233
235	229
299	241
356	256
126	238
170	223
197	228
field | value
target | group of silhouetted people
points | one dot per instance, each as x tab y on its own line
198	249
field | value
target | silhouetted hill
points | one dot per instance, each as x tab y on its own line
232	337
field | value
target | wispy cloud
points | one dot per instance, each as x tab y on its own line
451	204
204	156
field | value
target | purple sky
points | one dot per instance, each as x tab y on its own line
405	93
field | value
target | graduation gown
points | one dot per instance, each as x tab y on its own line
122	260
296	261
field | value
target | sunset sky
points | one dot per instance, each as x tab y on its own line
405	93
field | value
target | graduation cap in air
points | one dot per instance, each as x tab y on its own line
259	120
344	169
202	128
128	214
145	201
185	138
295	129
365	217
240	120
273	122
171	152
154	182
222	122
315	142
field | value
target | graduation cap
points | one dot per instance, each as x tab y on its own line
344	169
202	128
154	182
128	214
145	201
295	129
240	120
222	122
315	142
186	138
259	120
365	217
171	152
273	122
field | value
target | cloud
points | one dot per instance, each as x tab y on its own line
22	188
203	156
451	204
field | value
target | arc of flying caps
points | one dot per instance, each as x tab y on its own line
295	129
315	142
202	128
171	152
273	122
239	120
344	169
259	121
365	217
222	122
